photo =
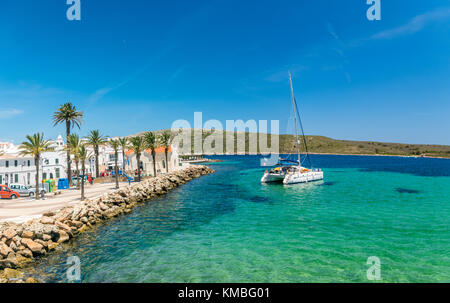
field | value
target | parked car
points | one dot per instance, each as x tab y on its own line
7	193
42	189
24	191
75	179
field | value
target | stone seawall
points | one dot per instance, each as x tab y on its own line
20	244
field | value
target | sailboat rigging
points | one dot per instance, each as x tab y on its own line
292	172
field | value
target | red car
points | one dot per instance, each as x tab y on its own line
6	193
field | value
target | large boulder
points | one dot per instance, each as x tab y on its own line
36	248
5	250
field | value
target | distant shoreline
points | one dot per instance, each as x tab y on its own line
332	154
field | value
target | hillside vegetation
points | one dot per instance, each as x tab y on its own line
321	144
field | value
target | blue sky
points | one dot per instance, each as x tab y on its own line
139	65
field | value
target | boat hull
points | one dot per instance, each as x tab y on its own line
305	177
272	178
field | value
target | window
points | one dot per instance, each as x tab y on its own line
56	161
44	176
16	178
1	179
57	173
28	177
29	163
16	163
7	164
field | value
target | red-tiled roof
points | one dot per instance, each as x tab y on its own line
149	151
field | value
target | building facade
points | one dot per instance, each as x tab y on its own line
15	168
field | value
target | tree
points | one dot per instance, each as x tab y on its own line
84	154
123	145
95	139
115	144
152	143
35	147
73	144
68	114
165	139
138	145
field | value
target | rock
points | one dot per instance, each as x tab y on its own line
82	229
27	234
7	263
63	226
26	253
52	245
17	240
13	246
10	273
9	233
47	220
48	214
84	220
31	280
63	236
35	247
5	250
77	224
42	242
46	237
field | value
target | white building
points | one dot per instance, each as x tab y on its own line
15	168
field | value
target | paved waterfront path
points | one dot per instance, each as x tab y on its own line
24	209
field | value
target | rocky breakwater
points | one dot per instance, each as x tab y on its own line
20	244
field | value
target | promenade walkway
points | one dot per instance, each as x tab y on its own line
24	209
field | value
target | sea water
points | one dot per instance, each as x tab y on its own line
228	227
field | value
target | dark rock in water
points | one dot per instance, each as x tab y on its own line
406	190
327	184
259	199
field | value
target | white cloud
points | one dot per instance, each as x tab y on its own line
10	113
415	24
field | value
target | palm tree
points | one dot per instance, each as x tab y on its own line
151	142
138	145
68	114
83	154
115	144
73	143
95	139
123	145
165	139
35	146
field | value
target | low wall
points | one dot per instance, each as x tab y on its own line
23	243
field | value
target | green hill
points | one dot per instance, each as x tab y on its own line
325	145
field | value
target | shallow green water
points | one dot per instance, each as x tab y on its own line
228	227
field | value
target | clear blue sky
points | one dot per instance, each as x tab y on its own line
139	65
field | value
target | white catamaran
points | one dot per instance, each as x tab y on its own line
292	172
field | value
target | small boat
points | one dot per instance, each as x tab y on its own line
293	174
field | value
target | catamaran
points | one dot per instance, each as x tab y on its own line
292	172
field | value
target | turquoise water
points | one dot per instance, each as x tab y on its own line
228	227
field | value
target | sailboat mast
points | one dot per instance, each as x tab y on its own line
295	119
